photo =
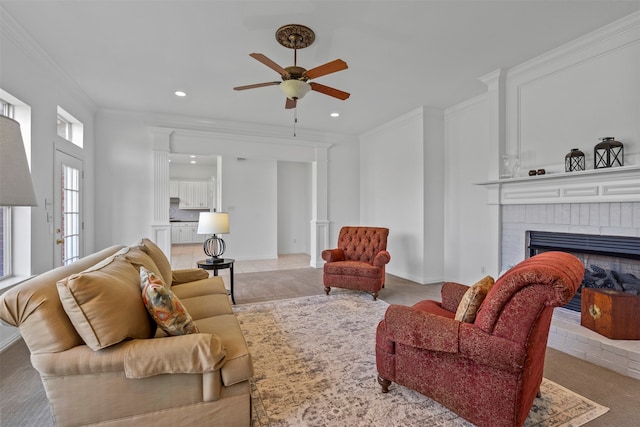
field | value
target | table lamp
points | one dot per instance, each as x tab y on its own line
213	223
16	188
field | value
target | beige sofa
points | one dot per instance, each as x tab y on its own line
107	366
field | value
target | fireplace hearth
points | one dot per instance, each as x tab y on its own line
611	262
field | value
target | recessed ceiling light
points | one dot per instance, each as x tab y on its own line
192	156
180	93
335	114
193	162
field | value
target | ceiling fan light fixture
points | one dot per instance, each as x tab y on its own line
295	89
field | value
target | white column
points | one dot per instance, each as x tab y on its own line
319	221
160	226
496	90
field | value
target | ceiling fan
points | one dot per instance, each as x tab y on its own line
294	82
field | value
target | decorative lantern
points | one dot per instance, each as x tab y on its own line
574	161
608	153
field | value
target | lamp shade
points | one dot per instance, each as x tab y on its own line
295	89
213	223
16	188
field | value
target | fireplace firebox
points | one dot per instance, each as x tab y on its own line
611	262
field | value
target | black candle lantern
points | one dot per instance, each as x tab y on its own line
608	153
574	161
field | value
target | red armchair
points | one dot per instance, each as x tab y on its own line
489	371
359	260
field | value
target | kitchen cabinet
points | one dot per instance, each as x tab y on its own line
174	188
186	232
194	194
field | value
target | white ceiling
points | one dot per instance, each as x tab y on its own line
134	54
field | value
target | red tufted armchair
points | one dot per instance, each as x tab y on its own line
358	261
489	371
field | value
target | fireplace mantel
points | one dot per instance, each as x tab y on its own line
621	184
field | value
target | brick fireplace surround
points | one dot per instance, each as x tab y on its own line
588	203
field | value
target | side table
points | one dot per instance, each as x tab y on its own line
207	264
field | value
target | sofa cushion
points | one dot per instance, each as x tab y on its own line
104	303
352	268
164	306
139	258
159	259
472	299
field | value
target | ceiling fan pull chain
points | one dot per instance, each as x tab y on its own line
295	120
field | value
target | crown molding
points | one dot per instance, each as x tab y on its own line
615	35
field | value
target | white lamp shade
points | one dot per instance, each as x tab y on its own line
213	223
295	89
16	188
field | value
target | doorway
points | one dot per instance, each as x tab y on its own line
68	216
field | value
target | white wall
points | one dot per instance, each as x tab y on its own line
250	195
249	187
343	188
32	77
27	74
466	258
566	98
401	188
573	95
195	172
124	179
294	207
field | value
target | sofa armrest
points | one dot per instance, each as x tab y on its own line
184	354
421	329
381	258
333	255
452	293
188	275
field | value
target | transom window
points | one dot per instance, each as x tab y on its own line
69	128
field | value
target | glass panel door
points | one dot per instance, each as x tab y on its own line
68	209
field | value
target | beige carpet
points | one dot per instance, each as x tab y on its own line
314	359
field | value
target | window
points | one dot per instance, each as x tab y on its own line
69	127
15	223
5	250
6	109
65	128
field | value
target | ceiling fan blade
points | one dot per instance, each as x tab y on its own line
256	85
291	103
329	91
269	63
328	68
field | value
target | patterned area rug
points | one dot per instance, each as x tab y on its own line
314	360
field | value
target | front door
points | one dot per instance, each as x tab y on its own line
68	179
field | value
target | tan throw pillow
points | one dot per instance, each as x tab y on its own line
164	306
159	259
139	258
104	303
472	299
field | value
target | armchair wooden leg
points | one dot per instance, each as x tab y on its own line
327	289
384	384
538	394
375	295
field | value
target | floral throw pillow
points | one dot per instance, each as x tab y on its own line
472	299
164	306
